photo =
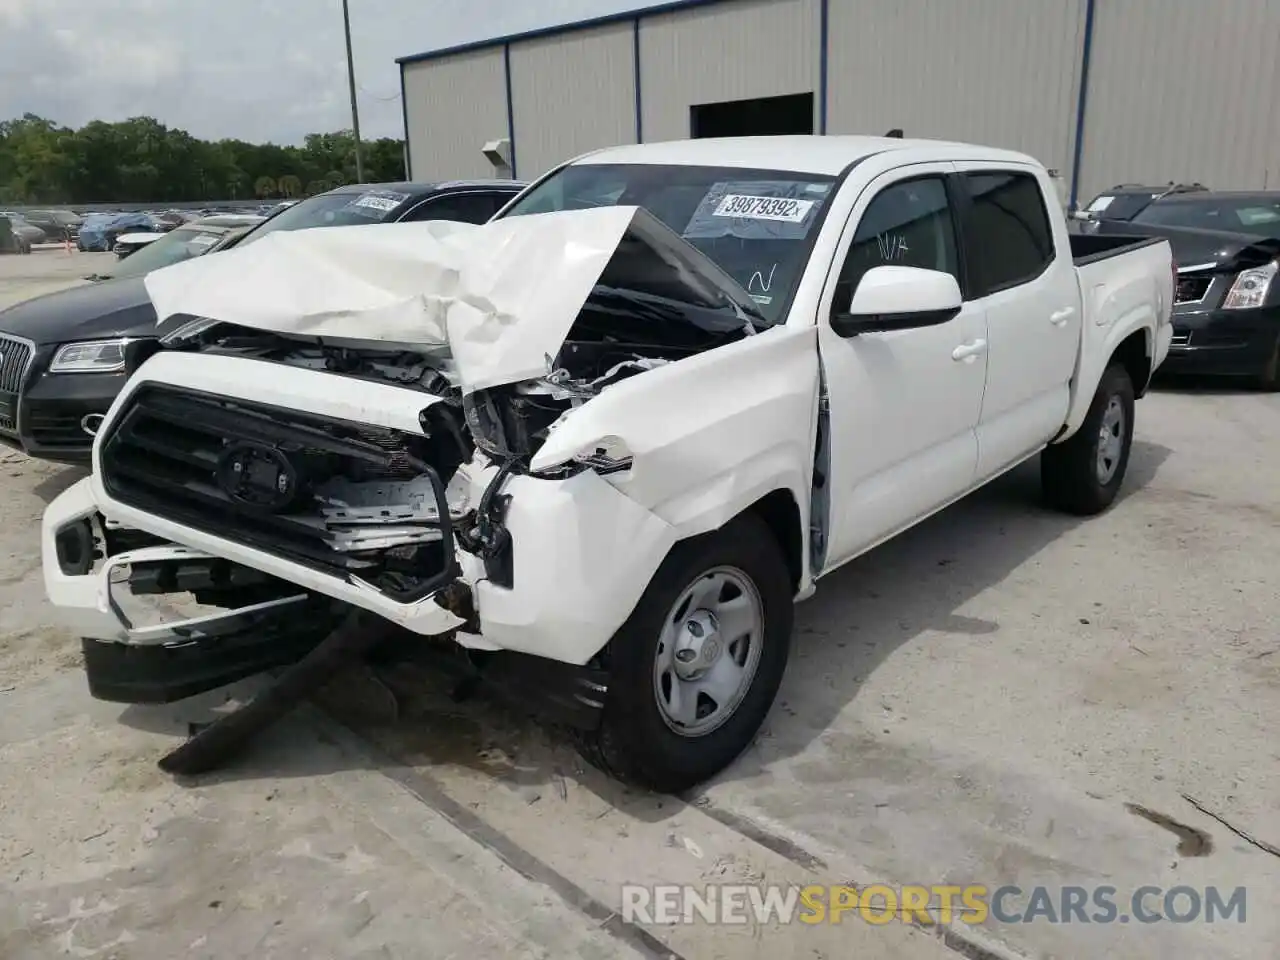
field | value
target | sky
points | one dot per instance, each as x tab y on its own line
257	70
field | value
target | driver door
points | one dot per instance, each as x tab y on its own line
903	404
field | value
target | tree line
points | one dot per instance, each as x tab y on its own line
141	160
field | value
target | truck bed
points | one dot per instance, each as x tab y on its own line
1089	248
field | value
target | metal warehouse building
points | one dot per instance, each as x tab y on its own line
1104	91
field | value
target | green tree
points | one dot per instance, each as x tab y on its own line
142	160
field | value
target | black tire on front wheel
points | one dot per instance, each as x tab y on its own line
633	742
1071	473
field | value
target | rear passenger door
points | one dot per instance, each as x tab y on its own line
473	206
1025	283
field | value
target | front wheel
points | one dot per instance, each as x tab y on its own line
695	668
1083	474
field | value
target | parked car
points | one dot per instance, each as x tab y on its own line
28	233
1226	321
99	233
68	353
11	242
1125	201
606	446
192	239
57	224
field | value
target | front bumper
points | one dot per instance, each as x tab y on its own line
582	552
1223	342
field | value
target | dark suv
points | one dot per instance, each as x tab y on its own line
64	356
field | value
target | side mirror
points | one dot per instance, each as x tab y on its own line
897	298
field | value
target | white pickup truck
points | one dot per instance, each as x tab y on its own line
608	438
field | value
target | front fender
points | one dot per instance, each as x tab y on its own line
709	435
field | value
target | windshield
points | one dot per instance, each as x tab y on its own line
1122	206
1258	216
756	225
174	247
334	210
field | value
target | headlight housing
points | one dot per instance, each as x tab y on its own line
1250	287
90	356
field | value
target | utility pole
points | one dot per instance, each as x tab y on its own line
351	82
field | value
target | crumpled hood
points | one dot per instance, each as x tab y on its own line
499	297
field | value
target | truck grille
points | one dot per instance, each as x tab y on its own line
15	358
1180	338
1193	287
177	454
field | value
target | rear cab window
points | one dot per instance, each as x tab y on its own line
1008	237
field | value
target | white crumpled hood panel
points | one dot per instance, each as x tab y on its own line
501	297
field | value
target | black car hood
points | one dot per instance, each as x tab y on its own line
1193	247
109	308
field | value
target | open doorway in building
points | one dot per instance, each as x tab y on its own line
760	117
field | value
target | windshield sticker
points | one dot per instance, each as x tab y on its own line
761	298
204	240
763	208
757	210
1100	204
377	203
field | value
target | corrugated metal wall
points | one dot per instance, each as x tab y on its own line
1183	90
1178	89
730	51
998	72
454	106
572	93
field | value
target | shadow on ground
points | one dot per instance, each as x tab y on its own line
861	615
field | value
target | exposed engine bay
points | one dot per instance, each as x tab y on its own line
382	505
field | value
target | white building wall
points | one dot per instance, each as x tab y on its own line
571	93
1184	91
728	51
998	72
454	106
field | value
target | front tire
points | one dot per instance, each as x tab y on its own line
695	668
1083	474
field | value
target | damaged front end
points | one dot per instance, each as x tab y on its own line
375	447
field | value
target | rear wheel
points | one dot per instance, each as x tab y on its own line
694	670
1083	474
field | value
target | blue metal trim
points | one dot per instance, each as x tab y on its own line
824	34
404	113
511	108
650	11
1081	102
635	58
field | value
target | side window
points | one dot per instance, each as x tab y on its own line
907	224
461	207
1009	231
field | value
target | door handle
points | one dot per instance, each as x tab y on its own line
1059	317
969	351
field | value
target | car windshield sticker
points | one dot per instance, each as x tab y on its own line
1100	204
377	203
757	210
204	240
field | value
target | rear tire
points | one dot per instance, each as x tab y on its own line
1083	474
738	571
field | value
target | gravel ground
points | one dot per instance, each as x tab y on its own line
988	699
